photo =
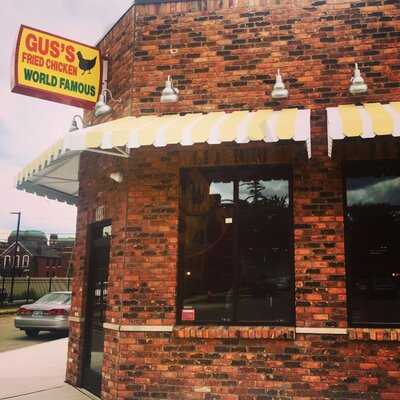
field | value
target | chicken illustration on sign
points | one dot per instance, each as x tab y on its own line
85	65
56	69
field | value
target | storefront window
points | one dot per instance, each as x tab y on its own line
373	243
236	240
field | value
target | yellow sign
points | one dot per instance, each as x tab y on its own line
56	69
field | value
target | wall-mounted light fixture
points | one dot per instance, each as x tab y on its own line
279	91
357	82
101	107
74	125
170	94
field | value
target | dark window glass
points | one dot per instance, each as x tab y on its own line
373	243
236	263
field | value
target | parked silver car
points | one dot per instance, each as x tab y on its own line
49	313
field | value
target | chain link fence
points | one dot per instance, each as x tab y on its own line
28	290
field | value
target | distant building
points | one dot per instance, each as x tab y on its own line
35	256
3	246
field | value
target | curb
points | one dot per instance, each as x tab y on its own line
8	312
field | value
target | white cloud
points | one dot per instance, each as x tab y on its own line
374	191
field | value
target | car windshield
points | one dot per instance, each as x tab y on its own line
55	298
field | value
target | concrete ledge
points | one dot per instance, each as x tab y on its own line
111	327
138	328
146	328
322	331
76	319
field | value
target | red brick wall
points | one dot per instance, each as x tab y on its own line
228	54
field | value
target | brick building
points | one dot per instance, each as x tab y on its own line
232	262
36	257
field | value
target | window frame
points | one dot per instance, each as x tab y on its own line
25	257
7	261
288	169
346	165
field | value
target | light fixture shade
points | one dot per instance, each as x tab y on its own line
117	177
357	82
279	91
169	93
101	108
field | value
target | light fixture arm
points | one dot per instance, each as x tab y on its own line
74	124
106	91
79	117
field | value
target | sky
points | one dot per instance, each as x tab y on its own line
29	125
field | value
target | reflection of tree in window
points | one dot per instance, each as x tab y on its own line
273	193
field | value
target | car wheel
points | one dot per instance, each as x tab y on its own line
32	332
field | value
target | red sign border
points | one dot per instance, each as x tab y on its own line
17	87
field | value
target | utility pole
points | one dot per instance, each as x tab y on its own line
15	255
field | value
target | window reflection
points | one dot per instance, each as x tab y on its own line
223	191
272	192
373	245
264	240
373	190
208	240
236	260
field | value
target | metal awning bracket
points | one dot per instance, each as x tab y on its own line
118	153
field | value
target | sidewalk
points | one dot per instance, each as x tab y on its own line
37	372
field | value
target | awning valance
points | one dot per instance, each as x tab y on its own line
55	172
366	121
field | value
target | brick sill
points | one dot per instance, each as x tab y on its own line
375	334
235	332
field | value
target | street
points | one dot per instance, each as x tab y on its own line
12	338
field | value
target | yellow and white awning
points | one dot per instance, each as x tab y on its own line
55	172
366	121
189	129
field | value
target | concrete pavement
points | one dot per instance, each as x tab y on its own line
65	392
37	372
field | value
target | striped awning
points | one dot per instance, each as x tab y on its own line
189	129
366	121
54	173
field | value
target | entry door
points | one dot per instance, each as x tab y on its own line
96	306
